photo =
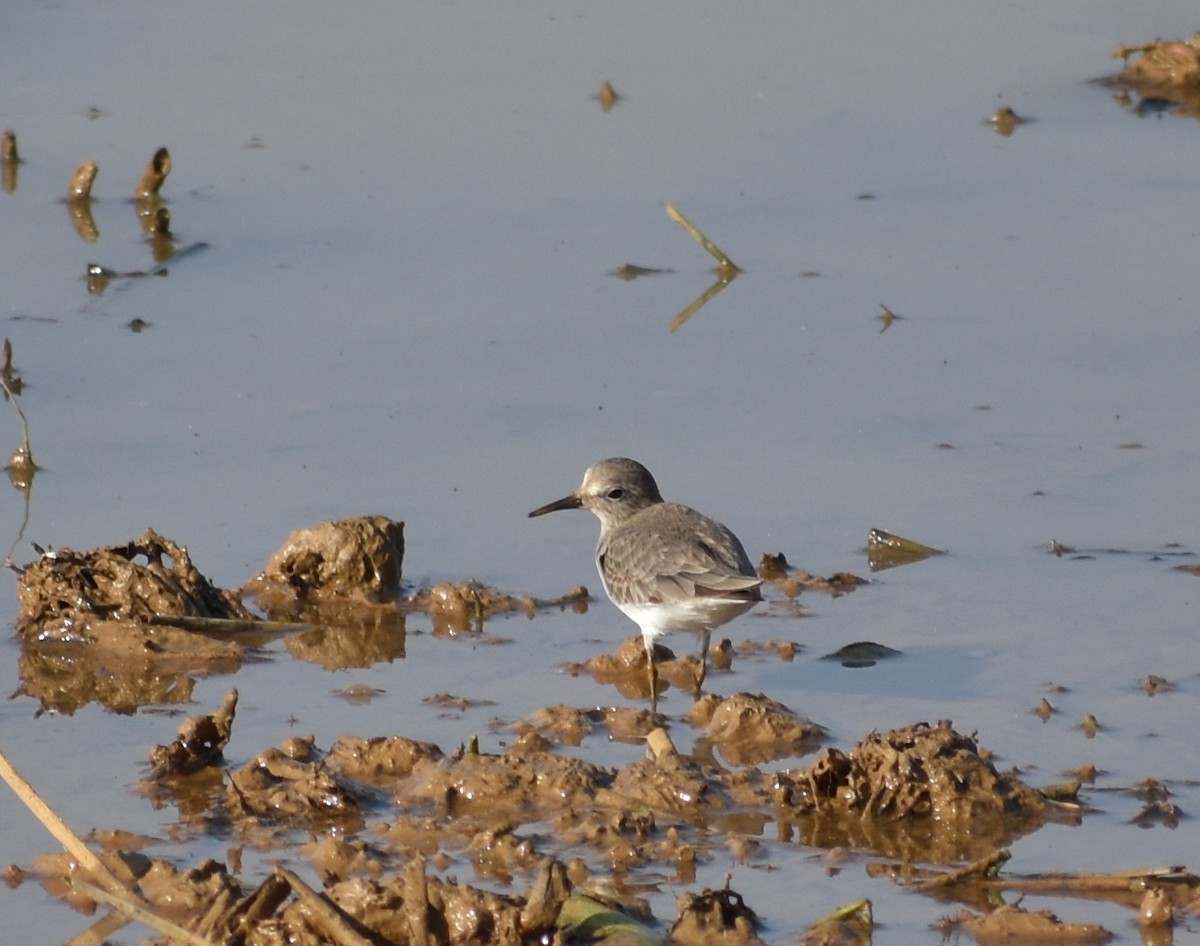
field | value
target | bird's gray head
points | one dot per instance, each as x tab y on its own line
613	489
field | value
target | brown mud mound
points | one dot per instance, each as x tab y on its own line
1163	68
98	626
150	578
922	792
1166	71
358	557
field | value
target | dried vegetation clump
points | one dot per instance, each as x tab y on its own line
112	626
63	593
925	789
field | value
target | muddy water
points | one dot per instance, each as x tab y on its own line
405	308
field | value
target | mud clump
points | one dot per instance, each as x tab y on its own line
1009	924
115	626
715	918
145	580
201	742
358	557
749	729
920	787
1168	69
462	607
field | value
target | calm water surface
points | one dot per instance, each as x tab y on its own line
406	308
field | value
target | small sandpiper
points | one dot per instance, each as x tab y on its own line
668	567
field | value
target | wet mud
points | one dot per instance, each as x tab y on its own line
379	818
1164	74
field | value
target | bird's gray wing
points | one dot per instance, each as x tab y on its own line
669	556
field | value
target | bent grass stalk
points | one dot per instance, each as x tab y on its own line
726	268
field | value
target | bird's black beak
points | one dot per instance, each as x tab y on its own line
567	502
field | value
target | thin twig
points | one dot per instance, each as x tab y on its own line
137	909
62	832
25	447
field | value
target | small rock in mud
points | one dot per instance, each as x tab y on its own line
359	557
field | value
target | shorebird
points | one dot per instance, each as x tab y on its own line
668	567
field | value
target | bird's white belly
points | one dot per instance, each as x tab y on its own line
694	614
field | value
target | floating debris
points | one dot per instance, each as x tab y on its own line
79	188
607	97
885	550
1154	685
630	272
9	161
1005	121
157	169
200	744
8	147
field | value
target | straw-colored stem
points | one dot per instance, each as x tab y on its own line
138	910
724	264
62	832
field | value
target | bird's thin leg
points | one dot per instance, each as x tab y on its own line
704	638
653	670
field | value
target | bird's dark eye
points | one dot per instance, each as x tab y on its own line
616	493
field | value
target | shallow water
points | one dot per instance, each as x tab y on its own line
406	308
